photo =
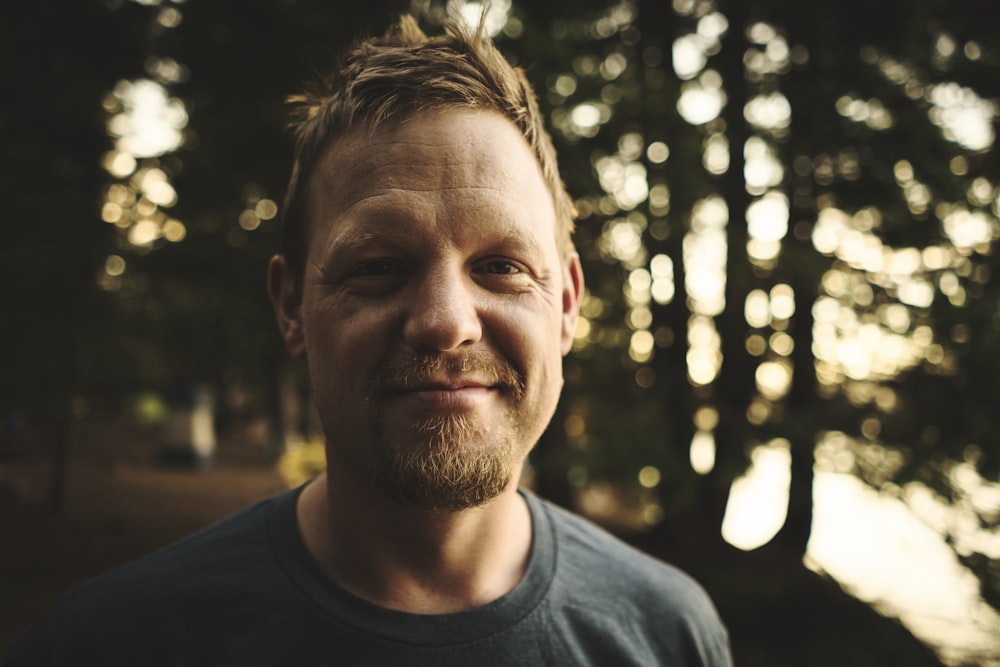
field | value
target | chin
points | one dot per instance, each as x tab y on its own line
445	473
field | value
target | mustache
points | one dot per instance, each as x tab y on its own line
412	370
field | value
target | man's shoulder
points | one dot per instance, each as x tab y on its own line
614	599
210	550
157	592
590	545
612	569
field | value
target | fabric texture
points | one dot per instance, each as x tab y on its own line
246	592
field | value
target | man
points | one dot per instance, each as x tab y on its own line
429	280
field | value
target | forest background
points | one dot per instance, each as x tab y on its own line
788	220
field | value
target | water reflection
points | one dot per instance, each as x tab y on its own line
868	541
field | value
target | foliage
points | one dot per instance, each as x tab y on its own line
877	157
855	323
302	461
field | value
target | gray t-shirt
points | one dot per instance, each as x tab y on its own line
246	592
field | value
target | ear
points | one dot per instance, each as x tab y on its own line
287	306
571	295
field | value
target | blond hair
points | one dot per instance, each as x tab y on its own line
401	74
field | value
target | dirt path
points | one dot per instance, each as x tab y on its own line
119	505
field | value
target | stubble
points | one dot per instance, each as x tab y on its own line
448	462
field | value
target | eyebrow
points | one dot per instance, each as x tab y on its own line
361	239
508	241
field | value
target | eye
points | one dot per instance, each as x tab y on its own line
375	268
374	277
500	267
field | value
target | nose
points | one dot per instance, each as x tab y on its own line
443	314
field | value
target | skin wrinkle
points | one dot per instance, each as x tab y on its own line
388	247
472	170
437	466
395	80
395	153
387	214
512	241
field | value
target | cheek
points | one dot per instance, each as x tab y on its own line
343	346
530	338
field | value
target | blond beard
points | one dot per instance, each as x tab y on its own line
447	470
445	462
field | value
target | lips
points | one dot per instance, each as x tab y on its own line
445	398
447	378
443	385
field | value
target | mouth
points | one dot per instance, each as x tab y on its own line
447	385
447	396
444	380
441	386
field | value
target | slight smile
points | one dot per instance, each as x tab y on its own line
458	396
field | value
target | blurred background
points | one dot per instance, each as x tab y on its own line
784	379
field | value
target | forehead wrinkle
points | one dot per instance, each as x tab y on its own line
403	176
397	227
449	175
457	157
388	151
333	198
398	202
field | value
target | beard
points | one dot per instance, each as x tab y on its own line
447	462
443	470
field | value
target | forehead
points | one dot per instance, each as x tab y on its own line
441	162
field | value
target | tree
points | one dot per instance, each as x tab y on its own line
828	126
52	137
830	129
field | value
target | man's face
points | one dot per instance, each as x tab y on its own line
435	306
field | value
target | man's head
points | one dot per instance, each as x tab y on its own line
405	72
435	289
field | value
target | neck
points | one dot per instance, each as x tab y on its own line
414	560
